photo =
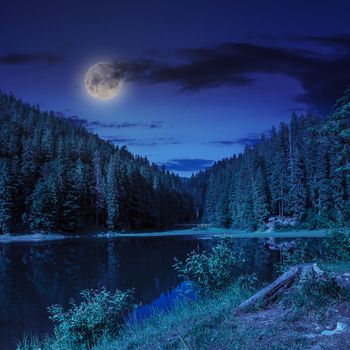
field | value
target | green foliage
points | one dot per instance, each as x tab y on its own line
336	246
112	196
206	323
6	196
248	282
210	272
301	254
57	176
44	207
333	249
99	313
302	171
314	294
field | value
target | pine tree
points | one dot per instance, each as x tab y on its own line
6	196
338	126
261	205
44	209
111	194
297	187
70	205
98	187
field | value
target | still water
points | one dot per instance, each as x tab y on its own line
34	276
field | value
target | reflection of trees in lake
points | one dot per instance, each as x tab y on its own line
108	268
5	283
263	261
40	266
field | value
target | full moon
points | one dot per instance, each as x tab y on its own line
103	81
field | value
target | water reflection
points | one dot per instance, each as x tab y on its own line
34	276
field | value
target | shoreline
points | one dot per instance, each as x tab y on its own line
196	233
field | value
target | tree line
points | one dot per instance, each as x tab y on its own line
301	170
57	176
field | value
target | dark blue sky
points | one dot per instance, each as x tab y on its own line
202	78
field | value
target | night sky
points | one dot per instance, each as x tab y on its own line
202	79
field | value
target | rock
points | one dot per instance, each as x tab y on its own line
341	327
343	281
310	336
316	347
280	222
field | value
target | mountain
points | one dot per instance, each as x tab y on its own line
57	176
301	170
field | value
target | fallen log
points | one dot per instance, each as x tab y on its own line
280	285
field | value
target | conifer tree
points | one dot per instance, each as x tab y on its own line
112	197
6	196
44	209
261	205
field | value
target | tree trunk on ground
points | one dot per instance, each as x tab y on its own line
294	275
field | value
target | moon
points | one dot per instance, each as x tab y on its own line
103	81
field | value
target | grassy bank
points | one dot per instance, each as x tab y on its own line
196	325
311	318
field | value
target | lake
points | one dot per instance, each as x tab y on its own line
35	275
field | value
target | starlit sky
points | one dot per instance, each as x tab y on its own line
202	79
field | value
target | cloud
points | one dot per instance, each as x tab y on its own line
142	143
335	41
114	125
323	77
249	140
119	140
25	58
188	164
18	58
126	125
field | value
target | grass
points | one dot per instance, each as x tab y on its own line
211	323
208	323
193	325
338	267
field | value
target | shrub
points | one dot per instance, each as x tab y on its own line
336	246
248	283
210	272
315	294
100	312
302	254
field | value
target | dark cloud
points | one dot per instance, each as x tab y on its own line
119	140
188	164
141	143
126	125
335	41
322	77
24	58
18	58
114	125
250	140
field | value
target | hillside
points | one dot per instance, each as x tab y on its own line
299	170
57	176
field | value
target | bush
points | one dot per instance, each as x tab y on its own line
100	312
210	272
302	254
315	294
336	246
